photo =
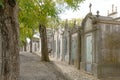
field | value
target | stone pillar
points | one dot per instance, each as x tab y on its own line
56	45
62	48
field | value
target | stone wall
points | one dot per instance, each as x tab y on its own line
110	50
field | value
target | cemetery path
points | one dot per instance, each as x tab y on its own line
31	68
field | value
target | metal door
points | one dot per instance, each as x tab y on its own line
59	48
73	52
89	53
64	48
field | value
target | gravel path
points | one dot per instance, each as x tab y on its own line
31	68
72	72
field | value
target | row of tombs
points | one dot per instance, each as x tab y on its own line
93	47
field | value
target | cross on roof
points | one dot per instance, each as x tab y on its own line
90	7
97	13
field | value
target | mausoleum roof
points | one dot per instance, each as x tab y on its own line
100	19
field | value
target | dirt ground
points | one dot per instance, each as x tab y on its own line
31	68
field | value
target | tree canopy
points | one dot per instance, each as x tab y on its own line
35	12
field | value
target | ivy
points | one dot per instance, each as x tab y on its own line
1	4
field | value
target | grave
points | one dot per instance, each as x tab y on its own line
100	46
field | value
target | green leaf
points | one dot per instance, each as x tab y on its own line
1	4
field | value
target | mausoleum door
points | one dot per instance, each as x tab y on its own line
74	48
59	48
88	51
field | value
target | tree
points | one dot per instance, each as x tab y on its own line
44	12
25	32
10	39
28	21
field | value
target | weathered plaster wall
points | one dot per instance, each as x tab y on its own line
110	50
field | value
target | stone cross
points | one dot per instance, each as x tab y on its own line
116	9
90	7
97	13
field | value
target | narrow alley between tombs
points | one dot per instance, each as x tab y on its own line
31	68
59	40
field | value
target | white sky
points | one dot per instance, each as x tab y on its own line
102	5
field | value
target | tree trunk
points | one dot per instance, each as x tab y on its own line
25	46
44	47
31	45
69	47
0	54
79	51
10	42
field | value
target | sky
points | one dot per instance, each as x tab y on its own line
101	5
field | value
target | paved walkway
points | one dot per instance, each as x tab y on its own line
31	68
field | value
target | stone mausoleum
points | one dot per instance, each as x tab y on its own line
100	53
